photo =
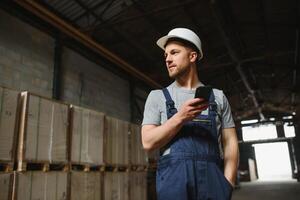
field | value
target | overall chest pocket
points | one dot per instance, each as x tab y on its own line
204	122
200	127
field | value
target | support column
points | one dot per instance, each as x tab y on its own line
57	71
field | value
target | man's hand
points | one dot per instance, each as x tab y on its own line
191	109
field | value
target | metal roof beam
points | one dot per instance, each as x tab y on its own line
218	9
296	57
144	14
72	32
87	12
133	43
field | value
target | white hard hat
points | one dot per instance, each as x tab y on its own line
182	33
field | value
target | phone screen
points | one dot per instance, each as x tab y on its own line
203	92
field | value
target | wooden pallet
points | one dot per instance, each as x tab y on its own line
45	167
7	167
117	168
139	168
87	167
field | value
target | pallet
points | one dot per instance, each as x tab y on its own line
106	168
45	167
7	167
87	167
117	168
139	168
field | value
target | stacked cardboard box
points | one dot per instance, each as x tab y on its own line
8	123
6	186
87	133
86	185
43	130
116	185
51	132
137	153
40	185
117	143
138	185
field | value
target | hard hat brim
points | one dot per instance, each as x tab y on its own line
161	42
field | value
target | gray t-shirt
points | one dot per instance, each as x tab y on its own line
155	108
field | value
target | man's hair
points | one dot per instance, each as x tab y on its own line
185	43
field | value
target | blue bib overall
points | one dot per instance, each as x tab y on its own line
190	167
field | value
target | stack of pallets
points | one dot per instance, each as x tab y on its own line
53	150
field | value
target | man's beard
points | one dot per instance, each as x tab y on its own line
178	73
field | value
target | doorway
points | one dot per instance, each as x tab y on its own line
273	161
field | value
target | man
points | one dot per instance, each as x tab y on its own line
197	139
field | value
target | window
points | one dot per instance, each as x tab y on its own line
261	132
289	130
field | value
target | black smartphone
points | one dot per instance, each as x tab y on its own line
203	92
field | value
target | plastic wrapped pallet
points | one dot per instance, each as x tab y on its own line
116	185
86	185
117	143
138	185
6	186
43	130
138	155
40	185
8	123
87	133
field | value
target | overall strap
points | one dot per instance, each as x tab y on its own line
170	105
171	110
213	113
212	104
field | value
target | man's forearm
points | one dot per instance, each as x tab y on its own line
230	166
155	137
231	156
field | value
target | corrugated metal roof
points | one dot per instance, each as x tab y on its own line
261	33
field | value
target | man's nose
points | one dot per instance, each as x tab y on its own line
168	59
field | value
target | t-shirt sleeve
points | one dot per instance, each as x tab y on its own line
152	114
227	119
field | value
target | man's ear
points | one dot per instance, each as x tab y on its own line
193	56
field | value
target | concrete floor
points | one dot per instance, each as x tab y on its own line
277	190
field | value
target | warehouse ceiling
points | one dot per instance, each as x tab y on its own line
251	47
